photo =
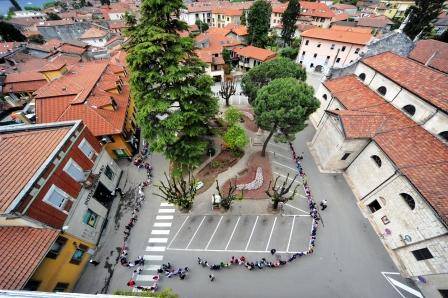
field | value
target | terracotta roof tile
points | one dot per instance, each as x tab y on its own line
71	49
423	81
55	23
237	29
52	66
419	155
340	17
256	53
432	53
374	22
93	32
21	154
21	251
345	34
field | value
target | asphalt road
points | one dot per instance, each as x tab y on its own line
348	261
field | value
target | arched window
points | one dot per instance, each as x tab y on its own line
325	96
409	200
362	76
409	109
444	135
377	160
382	90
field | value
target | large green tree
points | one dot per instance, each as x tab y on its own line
262	74
423	14
172	93
283	106
289	19
258	23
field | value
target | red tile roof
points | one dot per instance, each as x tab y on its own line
423	81
432	53
346	34
52	66
419	155
255	53
315	9
55	23
71	49
340	17
21	155
374	22
227	11
26	81
237	29
22	249
93	32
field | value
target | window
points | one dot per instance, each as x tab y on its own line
357	50
332	47
343	49
109	173
444	136
307	42
338	60
74	170
56	197
318	45
315	55
377	160
382	90
374	206
345	156
409	200
312	65
78	254
325	96
422	254
86	148
409	109
362	76
303	53
90	218
32	285
60	287
56	247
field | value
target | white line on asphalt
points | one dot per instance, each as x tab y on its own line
167	210
177	233
153	257
251	233
406	288
290	233
162	224
278	154
270	234
160	232
155	248
276	145
151	267
144	277
294	169
233	232
393	286
191	240
296	208
230	250
284	176
297	194
163	204
164	217
209	241
158	240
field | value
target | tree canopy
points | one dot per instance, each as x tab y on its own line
283	106
172	93
258	23
232	116
235	138
9	33
262	74
423	14
290	53
289	19
201	25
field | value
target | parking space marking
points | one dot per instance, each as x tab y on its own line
281	155
153	257
280	164
286	204
233	232
270	234
160	232
163	204
155	248
177	233
290	233
167	210
191	240
162	224
164	217
252	232
158	240
209	241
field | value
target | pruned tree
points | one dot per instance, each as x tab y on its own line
229	197
227	90
279	193
178	191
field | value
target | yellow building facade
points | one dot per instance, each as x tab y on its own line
396	9
63	265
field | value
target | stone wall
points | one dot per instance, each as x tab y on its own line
64	32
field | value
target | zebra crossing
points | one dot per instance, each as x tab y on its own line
157	242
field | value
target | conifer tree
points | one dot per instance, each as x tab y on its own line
289	19
258	23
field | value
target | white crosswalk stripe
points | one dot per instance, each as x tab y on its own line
153	257
162	224
160	232
143	277
167	210
158	240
